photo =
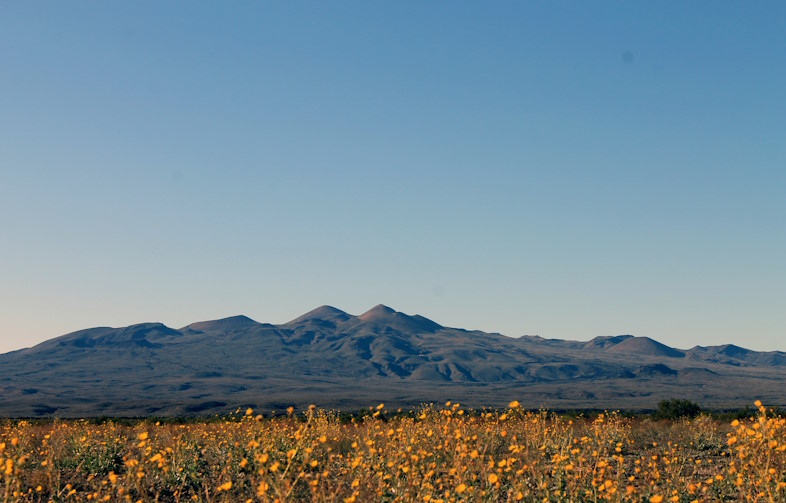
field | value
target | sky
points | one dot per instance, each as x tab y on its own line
565	169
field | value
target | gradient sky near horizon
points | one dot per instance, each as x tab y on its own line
566	169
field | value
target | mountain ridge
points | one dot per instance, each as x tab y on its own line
336	359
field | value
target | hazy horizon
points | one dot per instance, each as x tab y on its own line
560	169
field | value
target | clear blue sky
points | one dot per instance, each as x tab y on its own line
567	169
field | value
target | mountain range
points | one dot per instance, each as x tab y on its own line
336	360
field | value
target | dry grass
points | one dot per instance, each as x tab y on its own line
438	454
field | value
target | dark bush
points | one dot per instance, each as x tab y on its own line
677	408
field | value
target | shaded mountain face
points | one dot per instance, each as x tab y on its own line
337	360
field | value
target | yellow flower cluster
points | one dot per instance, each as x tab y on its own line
437	454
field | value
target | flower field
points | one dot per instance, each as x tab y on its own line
436	454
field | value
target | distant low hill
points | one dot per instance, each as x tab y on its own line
337	360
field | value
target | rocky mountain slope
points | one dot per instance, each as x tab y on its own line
338	360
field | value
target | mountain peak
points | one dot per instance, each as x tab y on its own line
644	346
606	341
321	313
377	312
382	315
231	323
733	350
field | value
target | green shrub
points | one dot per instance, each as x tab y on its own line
677	408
